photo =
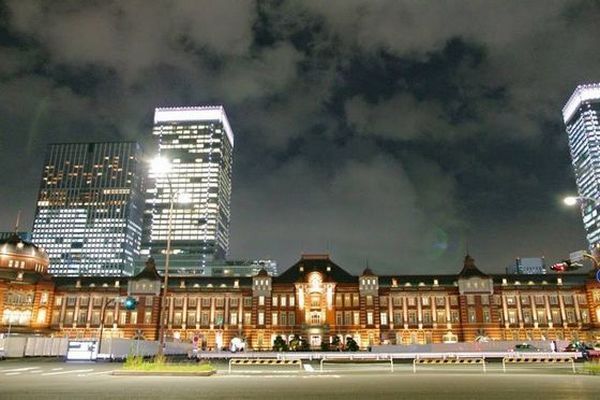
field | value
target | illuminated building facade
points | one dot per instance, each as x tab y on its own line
198	144
314	299
90	207
580	115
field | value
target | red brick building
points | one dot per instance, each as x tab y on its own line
315	299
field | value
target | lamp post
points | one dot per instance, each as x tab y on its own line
161	166
106	305
594	255
573	200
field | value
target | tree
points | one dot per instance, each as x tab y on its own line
304	346
336	343
279	344
351	344
295	343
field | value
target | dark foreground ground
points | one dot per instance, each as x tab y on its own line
44	379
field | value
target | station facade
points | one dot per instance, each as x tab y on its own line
315	299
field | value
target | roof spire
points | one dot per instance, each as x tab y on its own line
17	222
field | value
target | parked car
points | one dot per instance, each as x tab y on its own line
586	350
525	347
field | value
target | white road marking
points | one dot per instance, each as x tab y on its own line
281	376
97	373
67	372
20	369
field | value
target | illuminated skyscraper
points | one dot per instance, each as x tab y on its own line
580	115
198	144
90	208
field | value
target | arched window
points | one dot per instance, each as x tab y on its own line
315	318
315	280
315	300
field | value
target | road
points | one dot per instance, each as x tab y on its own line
42	379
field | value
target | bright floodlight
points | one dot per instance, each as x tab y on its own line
160	165
184	198
570	200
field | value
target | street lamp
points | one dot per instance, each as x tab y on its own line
573	200
161	167
109	302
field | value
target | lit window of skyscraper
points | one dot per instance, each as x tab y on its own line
90	208
580	115
198	144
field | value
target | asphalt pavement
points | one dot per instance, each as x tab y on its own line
54	379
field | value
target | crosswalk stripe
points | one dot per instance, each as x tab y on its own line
67	372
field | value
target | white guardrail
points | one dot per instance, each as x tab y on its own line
307	355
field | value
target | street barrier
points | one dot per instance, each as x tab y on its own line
537	360
449	361
263	361
356	359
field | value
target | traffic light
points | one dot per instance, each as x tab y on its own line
130	303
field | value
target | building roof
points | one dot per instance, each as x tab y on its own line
470	269
315	263
149	272
15	246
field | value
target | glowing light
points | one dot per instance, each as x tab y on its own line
184	198
160	165
570	200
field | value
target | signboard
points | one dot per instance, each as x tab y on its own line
577	256
82	350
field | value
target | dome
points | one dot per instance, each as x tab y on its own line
18	253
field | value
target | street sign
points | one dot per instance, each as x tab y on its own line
577	256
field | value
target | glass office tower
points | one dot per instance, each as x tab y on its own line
90	208
580	115
198	144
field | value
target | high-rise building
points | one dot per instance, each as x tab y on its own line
528	266
580	115
198	144
240	268
90	208
23	235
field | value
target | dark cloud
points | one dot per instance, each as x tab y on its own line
394	131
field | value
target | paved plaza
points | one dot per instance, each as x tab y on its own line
44	379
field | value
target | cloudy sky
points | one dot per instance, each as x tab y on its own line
397	132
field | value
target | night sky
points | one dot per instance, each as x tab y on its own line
398	132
